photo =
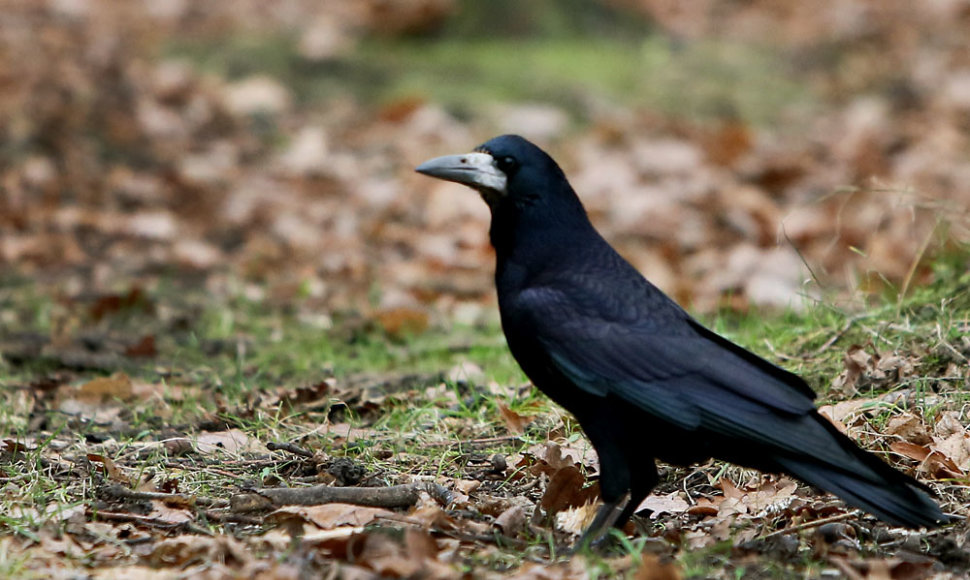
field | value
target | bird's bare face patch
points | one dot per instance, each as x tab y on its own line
478	170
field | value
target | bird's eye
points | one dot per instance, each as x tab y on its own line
507	164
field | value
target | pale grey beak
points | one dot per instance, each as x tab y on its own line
475	170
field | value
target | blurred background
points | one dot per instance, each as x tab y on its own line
739	153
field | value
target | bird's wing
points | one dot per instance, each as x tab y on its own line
666	364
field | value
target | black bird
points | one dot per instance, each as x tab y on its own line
644	379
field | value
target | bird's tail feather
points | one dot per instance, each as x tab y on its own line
896	498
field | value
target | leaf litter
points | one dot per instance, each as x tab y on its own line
246	191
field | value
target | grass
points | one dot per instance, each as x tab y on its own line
240	352
578	72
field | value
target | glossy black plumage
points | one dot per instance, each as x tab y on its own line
643	378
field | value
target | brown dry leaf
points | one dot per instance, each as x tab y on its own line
909	427
883	569
771	494
565	489
133	573
706	506
671	503
948	424
429	513
312	393
53	511
102	389
12	446
847	414
931	461
402	321
331	515
573	569
160	394
343	432
182	550
254	95
511	521
553	456
63	545
169	515
730	490
856	361
143	348
110	468
575	520
894	366
232	441
513	421
467	486
653	567
754	502
956	448
415	557
699	539
911	450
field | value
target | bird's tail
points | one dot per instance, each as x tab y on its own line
870	485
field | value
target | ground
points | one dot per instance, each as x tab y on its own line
240	338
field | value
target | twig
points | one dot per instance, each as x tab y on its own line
294	449
486	442
148	521
496	539
809	525
116	491
395	496
226	518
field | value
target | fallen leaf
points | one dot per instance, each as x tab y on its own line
706	506
412	558
909	427
956	448
232	441
513	421
511	521
882	569
575	520
846	414
143	348
931	461
565	489
184	549
331	515
653	567
402	322
671	503
949	423
856	362
169	515
110	468
256	94
101	389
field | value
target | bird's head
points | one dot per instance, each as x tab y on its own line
504	169
534	210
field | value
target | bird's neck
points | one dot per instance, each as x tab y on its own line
534	241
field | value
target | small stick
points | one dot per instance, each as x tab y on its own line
395	496
117	491
476	442
294	449
809	525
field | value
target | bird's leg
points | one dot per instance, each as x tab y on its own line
607	515
644	479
